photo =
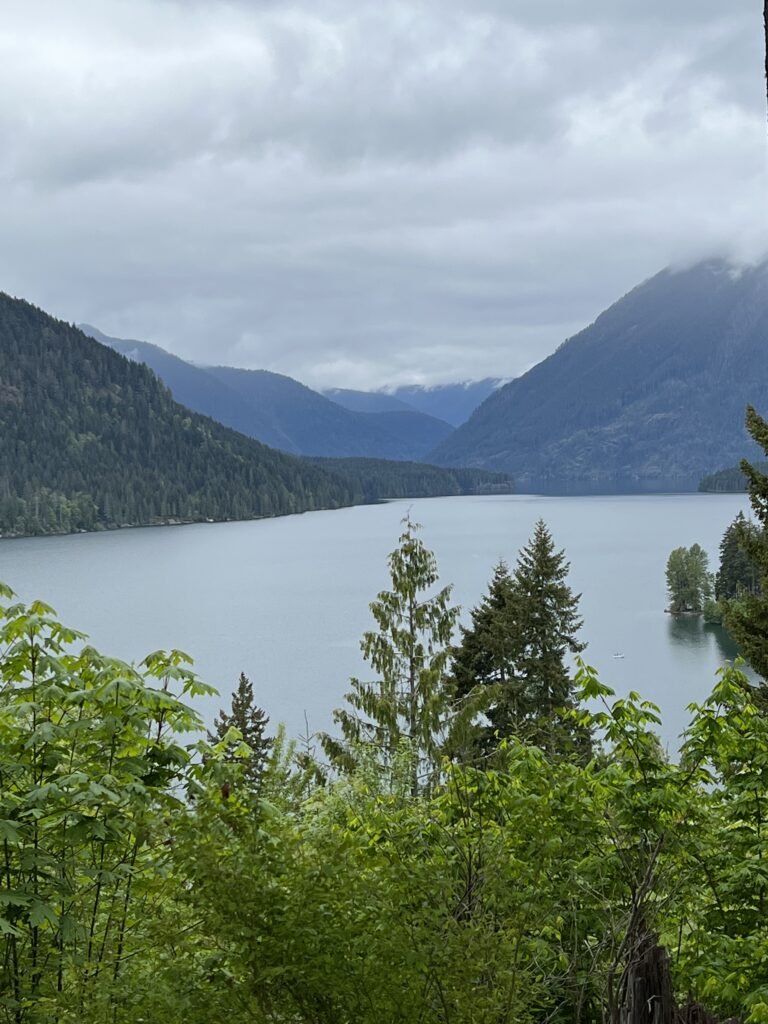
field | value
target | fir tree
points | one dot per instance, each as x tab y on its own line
408	706
251	722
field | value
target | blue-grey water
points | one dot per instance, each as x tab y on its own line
286	600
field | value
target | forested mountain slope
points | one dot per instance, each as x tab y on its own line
92	439
318	426
655	389
199	390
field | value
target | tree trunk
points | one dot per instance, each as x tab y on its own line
648	997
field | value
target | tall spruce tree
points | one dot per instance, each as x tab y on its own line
408	707
516	646
251	722
747	618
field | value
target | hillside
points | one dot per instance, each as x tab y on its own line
91	439
197	389
654	391
283	413
318	426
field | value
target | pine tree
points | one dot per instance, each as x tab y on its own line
747	618
251	722
409	705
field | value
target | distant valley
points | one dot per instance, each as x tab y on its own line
93	440
285	414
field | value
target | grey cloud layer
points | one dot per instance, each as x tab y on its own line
361	192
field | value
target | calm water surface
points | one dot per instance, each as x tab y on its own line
286	600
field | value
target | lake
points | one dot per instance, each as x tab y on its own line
286	600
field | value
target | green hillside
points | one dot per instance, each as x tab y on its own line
93	440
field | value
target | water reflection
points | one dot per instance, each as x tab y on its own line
691	631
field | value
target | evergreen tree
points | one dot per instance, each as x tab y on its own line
547	623
251	722
409	705
486	654
747	618
515	648
738	573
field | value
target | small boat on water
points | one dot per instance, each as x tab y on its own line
618	655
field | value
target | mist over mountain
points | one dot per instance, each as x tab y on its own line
652	393
453	403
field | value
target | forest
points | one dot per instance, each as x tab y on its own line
93	441
487	834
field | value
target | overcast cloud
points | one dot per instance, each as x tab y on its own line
364	192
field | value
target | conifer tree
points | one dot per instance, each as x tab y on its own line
516	646
738	572
747	618
251	722
547	622
409	705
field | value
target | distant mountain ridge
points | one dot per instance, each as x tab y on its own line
284	413
654	390
453	403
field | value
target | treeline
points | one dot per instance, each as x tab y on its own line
92	440
728	481
374	479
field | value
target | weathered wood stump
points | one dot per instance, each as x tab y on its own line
648	997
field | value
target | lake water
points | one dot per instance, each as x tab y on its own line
286	600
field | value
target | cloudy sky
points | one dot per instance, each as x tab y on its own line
365	192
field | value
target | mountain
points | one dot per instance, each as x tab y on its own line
652	394
283	413
194	387
318	426
91	440
367	401
453	403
